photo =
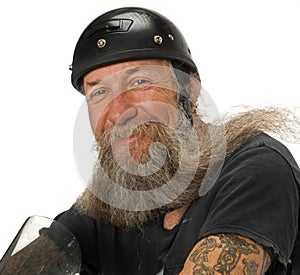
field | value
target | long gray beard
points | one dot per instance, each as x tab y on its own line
127	193
118	207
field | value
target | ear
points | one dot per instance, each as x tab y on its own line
193	88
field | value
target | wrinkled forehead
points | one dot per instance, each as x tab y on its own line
128	67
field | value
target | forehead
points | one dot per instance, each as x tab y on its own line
103	72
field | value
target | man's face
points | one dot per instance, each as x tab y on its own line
122	96
147	150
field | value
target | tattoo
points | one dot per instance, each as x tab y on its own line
199	257
233	247
266	262
250	268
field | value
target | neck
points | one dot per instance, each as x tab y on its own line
172	218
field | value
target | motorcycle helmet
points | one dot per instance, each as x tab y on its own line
131	33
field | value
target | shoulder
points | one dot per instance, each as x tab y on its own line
260	174
85	230
257	196
265	143
264	158
72	217
83	227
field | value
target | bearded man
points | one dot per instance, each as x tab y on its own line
171	194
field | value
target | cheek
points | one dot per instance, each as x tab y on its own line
165	113
157	101
92	120
95	121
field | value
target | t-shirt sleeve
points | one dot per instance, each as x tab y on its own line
85	231
257	197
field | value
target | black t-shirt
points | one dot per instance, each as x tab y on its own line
256	196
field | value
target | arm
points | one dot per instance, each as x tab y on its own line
257	197
40	255
54	251
227	254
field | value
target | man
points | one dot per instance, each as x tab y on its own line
153	206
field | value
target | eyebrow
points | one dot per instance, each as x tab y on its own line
128	72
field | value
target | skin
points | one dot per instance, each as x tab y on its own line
119	102
227	254
116	98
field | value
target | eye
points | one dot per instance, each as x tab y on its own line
97	94
100	92
141	82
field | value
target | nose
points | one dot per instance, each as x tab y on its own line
119	111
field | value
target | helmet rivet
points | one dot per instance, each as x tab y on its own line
101	43
158	39
71	67
171	37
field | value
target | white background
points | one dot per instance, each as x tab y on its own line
248	52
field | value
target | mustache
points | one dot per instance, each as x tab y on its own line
161	155
133	127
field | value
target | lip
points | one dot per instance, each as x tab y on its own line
128	140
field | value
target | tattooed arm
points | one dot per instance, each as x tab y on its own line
227	254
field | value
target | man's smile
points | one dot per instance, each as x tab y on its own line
127	140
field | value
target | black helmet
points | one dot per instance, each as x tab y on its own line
128	34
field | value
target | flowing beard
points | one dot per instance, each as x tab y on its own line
171	149
102	203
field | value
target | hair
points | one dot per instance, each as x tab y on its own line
183	74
